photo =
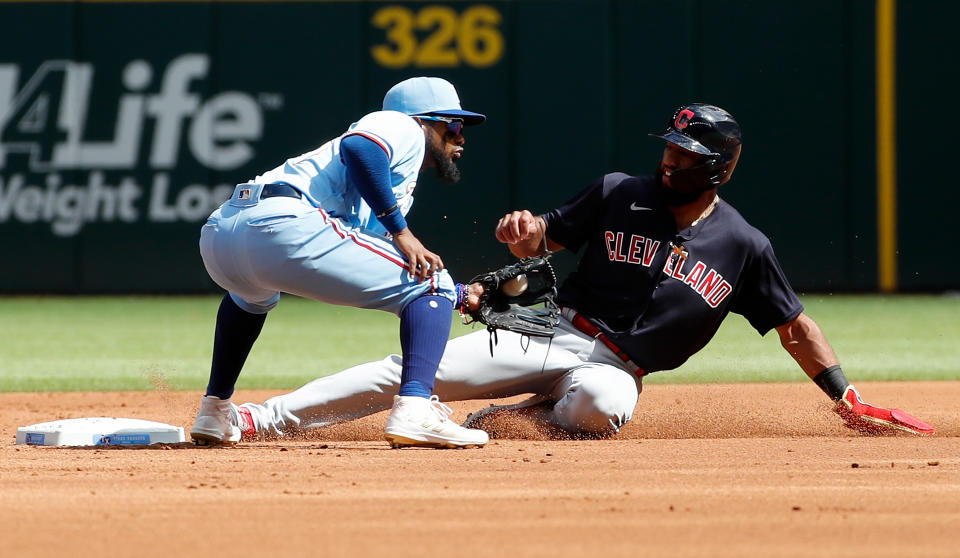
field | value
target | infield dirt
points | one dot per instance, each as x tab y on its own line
716	470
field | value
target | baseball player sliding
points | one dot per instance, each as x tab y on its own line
330	225
664	261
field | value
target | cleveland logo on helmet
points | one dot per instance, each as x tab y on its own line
682	118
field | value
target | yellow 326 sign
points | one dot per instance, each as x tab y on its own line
437	36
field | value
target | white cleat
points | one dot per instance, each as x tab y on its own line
420	422
214	425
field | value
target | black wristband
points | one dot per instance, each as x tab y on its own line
832	381
388	211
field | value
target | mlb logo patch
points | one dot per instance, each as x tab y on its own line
244	194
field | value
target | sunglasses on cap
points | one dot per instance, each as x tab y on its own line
454	125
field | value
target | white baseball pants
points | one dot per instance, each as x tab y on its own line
593	392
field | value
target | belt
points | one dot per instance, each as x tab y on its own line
279	190
586	326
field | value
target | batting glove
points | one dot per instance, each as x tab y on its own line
868	419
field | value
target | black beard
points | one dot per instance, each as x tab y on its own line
672	197
447	170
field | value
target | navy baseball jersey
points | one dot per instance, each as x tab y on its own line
658	293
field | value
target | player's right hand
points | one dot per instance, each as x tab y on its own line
421	263
517	226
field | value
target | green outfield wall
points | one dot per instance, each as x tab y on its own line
123	124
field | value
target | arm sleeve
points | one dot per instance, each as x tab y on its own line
766	299
368	168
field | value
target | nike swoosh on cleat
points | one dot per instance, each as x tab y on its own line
636	207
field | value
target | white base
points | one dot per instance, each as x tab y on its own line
99	431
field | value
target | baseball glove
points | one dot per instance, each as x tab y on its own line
520	297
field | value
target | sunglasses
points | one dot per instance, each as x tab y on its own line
454	125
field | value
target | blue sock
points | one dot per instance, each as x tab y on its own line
236	332
424	330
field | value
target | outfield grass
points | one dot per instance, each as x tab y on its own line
875	337
121	343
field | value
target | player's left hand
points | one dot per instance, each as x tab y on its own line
473	295
421	263
520	297
869	419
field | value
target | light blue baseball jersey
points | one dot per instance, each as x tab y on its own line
322	176
328	245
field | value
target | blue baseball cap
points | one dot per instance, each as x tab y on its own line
428	96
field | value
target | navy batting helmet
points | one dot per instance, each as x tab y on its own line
709	131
